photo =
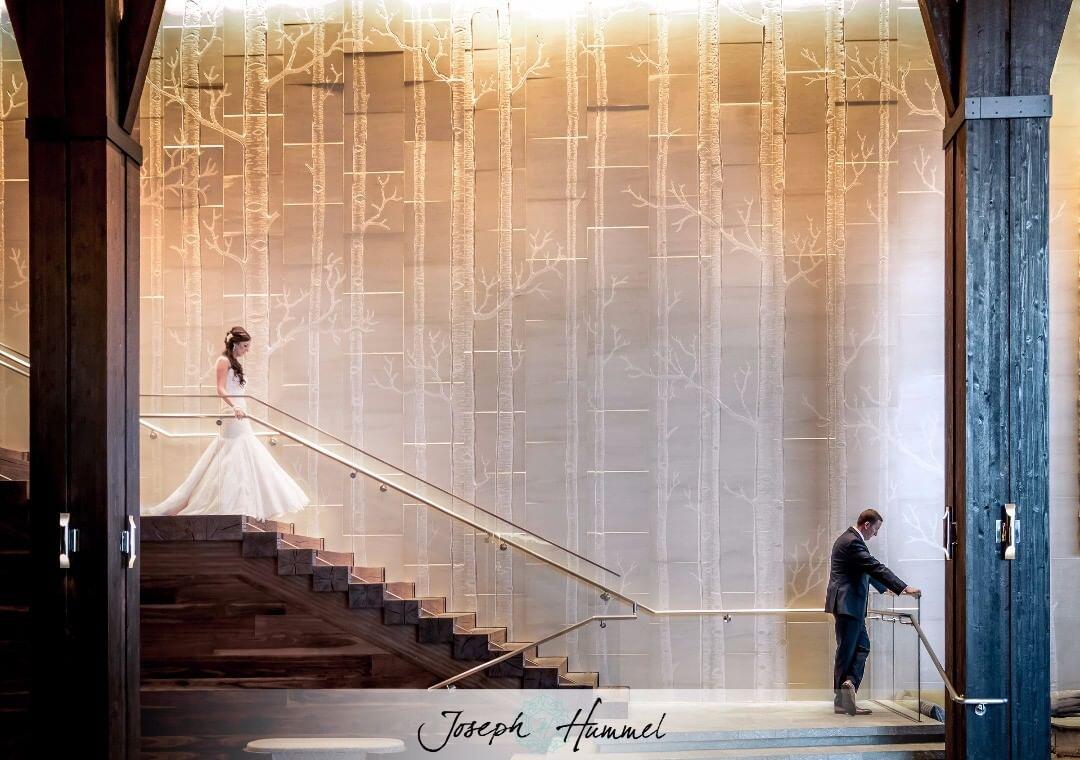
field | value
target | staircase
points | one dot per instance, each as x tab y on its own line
391	627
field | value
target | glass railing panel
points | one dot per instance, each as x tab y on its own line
14	399
162	410
893	676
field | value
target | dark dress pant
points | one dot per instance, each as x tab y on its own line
852	649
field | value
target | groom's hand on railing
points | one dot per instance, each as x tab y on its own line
911	591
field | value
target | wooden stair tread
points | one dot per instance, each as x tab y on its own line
581	679
253	524
545	662
335	559
368	574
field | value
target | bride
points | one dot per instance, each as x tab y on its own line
236	475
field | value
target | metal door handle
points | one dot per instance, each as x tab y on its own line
69	540
127	542
947	532
1008	531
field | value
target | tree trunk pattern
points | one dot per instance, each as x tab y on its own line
835	261
602	294
416	387
318	233
770	661
665	302
256	268
357	218
710	249
504	436
463	298
571	458
152	137
190	202
886	137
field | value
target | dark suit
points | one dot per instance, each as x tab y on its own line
853	568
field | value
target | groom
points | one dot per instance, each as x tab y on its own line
852	571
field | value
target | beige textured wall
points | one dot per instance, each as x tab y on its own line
660	282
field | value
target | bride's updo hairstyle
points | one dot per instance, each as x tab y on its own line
235	335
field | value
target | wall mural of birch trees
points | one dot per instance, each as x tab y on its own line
657	279
631	275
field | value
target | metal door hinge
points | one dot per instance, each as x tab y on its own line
128	542
1008	529
69	540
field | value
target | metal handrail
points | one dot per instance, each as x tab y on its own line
14	360
727	613
386	464
979	702
517	650
400	489
15	355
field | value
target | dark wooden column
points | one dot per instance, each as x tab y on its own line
84	69
997	448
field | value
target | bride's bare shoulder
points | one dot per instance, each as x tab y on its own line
222	361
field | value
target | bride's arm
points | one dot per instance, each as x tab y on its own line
221	369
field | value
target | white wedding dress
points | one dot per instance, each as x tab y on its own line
236	475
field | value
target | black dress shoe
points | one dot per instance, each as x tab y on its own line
847	698
858	711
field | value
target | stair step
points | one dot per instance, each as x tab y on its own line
293	541
345	559
511	667
296	561
548	663
408	611
329	578
364	595
269	526
269	543
473	644
369	574
401	589
439	628
543	672
580	680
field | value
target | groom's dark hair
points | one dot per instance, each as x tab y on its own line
870	516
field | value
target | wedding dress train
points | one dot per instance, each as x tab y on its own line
236	475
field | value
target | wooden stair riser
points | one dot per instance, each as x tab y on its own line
328	578
409	611
474	645
296	562
540	678
440	630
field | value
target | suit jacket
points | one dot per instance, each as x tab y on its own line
853	569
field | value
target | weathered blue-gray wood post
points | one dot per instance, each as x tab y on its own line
994	58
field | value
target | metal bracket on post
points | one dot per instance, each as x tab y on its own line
1002	107
1008	529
